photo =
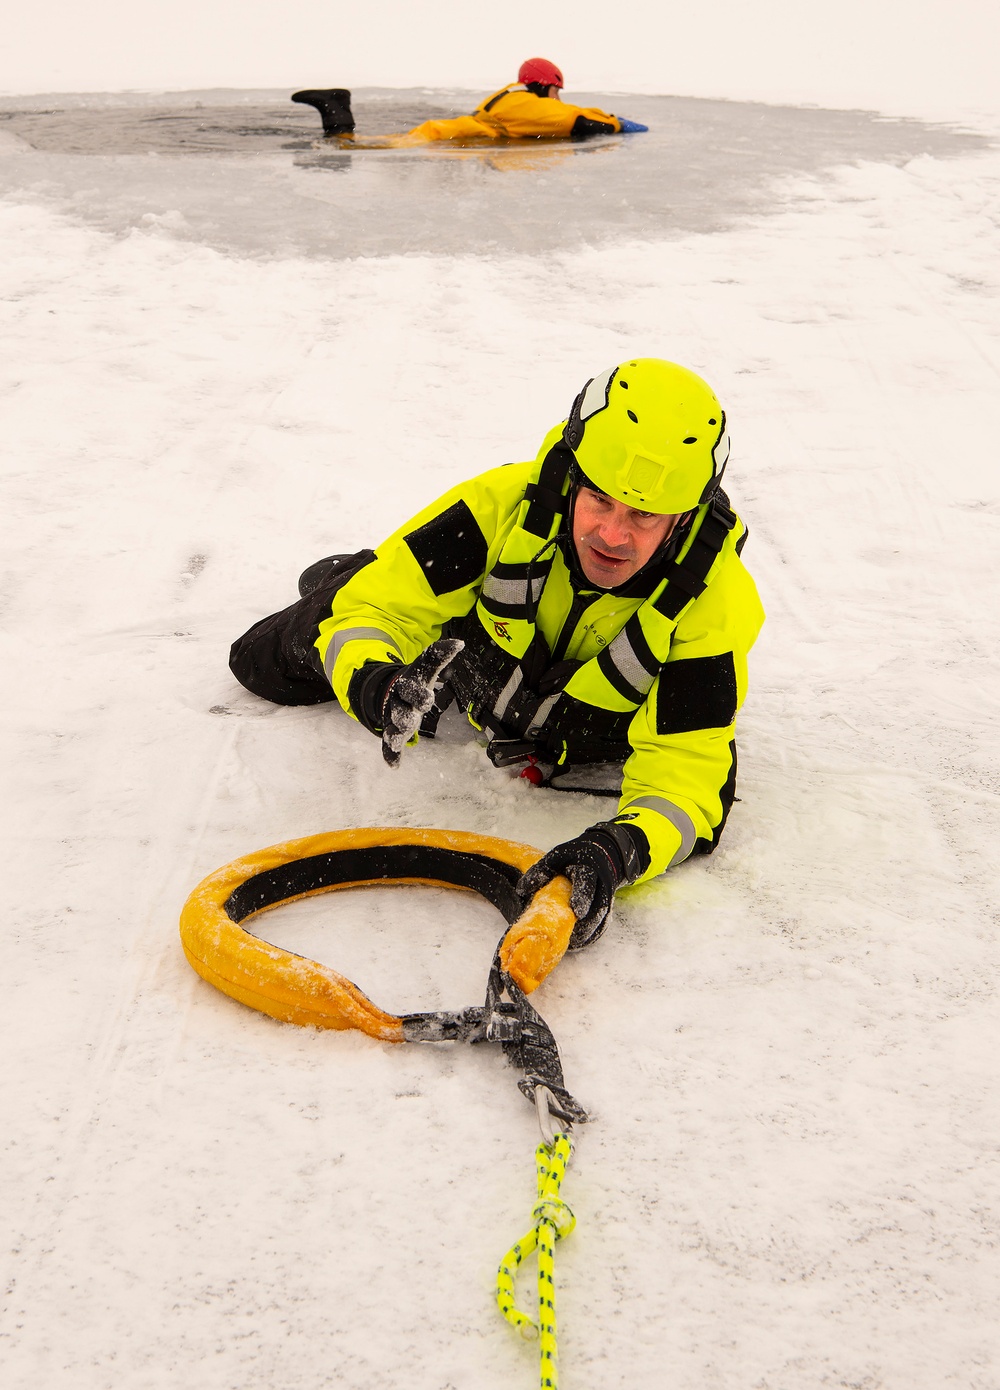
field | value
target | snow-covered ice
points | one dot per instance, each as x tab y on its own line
790	1048
264	183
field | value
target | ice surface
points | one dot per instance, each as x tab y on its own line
268	184
790	1048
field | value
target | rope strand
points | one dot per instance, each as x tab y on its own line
553	1221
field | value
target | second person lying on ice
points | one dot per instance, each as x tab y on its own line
530	108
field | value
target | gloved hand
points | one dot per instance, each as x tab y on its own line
390	699
597	863
630	127
410	694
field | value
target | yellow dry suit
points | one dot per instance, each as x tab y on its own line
514	113
572	675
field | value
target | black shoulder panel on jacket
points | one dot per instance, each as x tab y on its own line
586	125
696	694
450	549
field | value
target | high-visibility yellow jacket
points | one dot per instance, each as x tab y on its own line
651	681
514	113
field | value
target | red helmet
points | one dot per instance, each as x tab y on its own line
540	70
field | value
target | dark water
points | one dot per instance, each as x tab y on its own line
249	174
203	126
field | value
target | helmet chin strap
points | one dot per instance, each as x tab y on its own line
577	479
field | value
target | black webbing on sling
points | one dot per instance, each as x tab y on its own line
527	1043
506	1018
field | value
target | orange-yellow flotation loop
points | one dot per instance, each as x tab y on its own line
298	990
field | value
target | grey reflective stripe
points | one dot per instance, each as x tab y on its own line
622	653
542	713
679	819
512	591
507	693
353	634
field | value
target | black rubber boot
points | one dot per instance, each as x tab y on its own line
277	657
334	105
319	572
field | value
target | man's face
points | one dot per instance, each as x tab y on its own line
613	541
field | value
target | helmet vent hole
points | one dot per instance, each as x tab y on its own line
633	417
624	385
713	422
691	439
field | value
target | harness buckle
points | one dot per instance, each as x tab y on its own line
504	1024
504	752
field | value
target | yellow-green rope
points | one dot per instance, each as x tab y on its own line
553	1221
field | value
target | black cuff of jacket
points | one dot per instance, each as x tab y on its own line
586	125
625	845
367	691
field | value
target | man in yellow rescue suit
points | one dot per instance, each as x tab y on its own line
589	611
530	108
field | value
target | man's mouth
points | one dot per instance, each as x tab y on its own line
604	558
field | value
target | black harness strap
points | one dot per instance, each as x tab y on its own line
546	496
499	97
555	502
688	579
569	728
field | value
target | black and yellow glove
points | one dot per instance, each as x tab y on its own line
597	863
391	699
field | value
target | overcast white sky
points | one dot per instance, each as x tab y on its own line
921	57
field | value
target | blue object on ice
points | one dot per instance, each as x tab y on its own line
629	127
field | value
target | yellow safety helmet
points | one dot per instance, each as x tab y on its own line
650	434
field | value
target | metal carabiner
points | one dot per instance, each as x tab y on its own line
546	1119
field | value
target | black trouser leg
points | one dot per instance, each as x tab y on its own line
276	658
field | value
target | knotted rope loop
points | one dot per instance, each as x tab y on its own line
558	1216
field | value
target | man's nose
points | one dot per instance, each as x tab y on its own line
615	533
